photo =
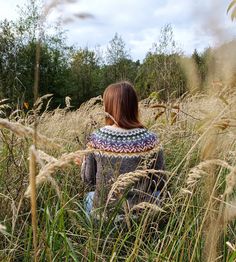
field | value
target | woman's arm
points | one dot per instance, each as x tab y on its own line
159	179
89	170
159	163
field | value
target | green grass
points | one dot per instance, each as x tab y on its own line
66	233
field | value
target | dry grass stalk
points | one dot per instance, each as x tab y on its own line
111	117
24	131
54	184
215	226
225	215
39	156
230	182
197	172
3	102
149	206
186	191
67	101
3	105
50	168
3	229
233	247
32	175
39	102
171	111
230	211
44	156
232	8
126	180
113	257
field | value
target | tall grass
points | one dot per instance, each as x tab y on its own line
195	221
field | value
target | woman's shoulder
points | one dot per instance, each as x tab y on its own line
119	140
113	133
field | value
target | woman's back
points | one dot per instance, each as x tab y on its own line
122	146
119	151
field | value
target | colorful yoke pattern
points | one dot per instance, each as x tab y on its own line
123	141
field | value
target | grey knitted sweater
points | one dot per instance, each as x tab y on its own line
119	151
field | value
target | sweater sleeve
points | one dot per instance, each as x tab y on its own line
159	179
159	163
89	170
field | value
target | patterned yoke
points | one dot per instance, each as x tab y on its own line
119	151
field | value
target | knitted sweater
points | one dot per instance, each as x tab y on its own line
119	151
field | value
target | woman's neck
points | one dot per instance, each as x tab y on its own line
118	128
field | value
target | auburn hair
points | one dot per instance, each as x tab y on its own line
121	102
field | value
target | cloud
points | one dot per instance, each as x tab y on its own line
212	20
196	24
9	9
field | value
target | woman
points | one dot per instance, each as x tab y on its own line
122	146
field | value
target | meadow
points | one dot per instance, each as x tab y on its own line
195	220
189	102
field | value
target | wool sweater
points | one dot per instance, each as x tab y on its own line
118	151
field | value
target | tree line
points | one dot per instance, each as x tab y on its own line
81	73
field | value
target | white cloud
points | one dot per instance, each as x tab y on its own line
9	10
196	24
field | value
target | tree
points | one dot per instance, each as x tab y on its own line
116	57
85	76
161	70
166	44
202	65
116	51
8	51
17	58
119	65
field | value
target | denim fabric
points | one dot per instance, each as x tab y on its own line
89	202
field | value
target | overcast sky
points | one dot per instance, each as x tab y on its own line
196	24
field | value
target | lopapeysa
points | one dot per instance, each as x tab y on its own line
119	140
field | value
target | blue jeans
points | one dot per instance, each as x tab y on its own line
88	202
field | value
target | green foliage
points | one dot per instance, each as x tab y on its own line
8	60
17	60
83	73
116	51
202	62
161	70
125	69
119	65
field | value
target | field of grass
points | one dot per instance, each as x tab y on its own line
196	218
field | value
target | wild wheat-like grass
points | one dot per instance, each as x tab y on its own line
147	206
41	155
49	169
3	105
23	131
188	214
186	191
196	173
125	180
32	174
230	211
3	229
224	214
230	182
67	101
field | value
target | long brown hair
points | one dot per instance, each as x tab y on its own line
121	102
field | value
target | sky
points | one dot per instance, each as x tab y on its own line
196	24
